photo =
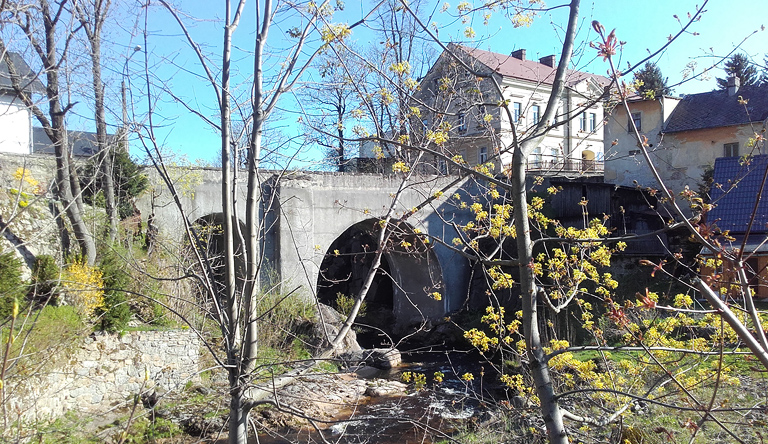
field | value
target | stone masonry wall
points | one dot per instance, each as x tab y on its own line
107	371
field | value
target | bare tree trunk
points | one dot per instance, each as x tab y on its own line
538	364
64	169
340	111
227	188
238	413
64	186
105	156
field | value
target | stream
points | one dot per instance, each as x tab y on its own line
423	416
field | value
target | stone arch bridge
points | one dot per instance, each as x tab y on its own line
321	235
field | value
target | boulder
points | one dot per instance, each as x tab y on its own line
382	387
324	328
380	358
384	358
368	372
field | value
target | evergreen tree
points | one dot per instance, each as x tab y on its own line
740	66
654	84
764	71
128	179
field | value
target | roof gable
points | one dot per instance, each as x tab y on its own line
29	80
717	109
735	197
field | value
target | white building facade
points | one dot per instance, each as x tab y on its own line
15	117
15	125
466	103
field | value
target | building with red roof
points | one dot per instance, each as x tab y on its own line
461	94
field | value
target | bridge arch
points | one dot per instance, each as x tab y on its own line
303	213
404	290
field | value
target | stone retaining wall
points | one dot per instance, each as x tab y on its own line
107	371
40	166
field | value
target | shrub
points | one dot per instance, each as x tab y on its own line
345	303
84	287
46	276
115	312
283	313
12	287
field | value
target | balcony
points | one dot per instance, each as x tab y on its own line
549	166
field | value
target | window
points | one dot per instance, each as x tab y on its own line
592	122
442	166
482	155
731	149
518	107
583	121
537	157
480	118
636	118
536	110
461	121
554	154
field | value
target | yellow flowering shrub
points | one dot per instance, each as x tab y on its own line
84	287
23	175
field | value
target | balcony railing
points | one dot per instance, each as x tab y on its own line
550	167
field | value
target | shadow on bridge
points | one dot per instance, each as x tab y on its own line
403	290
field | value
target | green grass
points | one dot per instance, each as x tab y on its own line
44	336
67	429
657	423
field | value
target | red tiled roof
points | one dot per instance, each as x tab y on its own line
531	70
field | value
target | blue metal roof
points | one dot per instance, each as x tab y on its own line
735	190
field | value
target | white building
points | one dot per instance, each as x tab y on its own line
17	133
15	118
467	105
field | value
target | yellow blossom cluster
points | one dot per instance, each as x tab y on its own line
419	380
334	32
438	137
22	174
83	284
400	167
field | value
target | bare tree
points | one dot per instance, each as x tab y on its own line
92	18
331	101
39	22
234	294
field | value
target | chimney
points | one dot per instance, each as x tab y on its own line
519	54
548	60
733	85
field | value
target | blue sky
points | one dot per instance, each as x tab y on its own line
642	25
